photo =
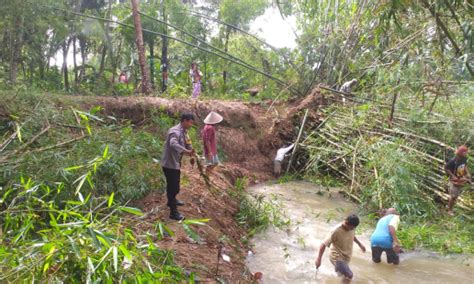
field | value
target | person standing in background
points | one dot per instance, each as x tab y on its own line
195	75
458	174
209	139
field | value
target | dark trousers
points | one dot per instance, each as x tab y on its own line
392	256
172	187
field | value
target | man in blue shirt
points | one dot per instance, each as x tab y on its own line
384	238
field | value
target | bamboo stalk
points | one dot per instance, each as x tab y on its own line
297	140
353	164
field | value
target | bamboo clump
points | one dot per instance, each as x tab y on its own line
350	142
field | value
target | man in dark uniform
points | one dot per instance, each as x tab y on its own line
177	144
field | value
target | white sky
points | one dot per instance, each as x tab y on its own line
269	27
273	29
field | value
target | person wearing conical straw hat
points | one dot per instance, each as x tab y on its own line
209	139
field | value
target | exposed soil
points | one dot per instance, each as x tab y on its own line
249	136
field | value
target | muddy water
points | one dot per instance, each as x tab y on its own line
288	256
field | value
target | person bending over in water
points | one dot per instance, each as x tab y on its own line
341	238
384	238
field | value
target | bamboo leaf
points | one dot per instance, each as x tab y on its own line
196	221
74	247
106	151
81	180
131	210
115	258
111	199
192	234
73	168
18	131
125	252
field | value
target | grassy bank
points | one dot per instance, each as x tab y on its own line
67	179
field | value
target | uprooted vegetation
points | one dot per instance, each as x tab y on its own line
384	160
82	190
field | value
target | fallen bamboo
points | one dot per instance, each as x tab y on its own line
297	140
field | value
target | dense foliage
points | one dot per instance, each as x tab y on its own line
63	188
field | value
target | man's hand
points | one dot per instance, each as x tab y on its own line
318	262
191	152
460	181
397	248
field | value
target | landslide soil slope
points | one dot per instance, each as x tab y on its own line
249	137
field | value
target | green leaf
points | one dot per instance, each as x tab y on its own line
131	210
196	221
111	200
73	168
193	235
94	237
106	150
81	180
90	265
18	131
125	251
95	110
74	247
161	228
46	266
103	258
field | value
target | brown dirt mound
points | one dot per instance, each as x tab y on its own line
249	136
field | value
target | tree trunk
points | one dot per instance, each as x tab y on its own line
141	49
82	47
102	61
74	61
65	70
16	45
226	46
164	51
151	43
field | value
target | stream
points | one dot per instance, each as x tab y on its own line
288	255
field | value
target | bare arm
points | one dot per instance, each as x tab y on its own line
322	248
396	243
362	247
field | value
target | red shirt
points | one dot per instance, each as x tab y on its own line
208	134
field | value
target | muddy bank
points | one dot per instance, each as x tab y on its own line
249	137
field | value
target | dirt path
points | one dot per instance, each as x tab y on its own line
249	136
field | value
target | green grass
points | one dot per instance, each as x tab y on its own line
62	208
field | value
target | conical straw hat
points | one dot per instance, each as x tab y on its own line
213	118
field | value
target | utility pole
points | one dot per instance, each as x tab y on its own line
146	88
